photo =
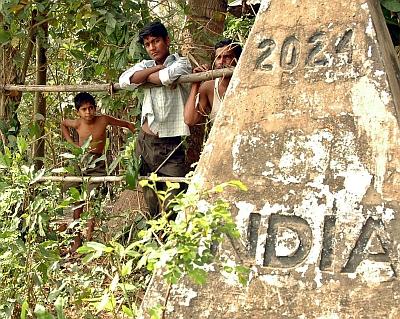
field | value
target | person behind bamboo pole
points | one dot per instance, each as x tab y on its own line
159	144
89	125
205	98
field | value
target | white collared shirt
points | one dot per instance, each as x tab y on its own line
163	106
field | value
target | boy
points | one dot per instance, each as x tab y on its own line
160	139
90	124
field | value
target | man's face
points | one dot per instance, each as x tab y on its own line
87	111
225	57
157	48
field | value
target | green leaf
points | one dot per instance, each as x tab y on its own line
131	176
114	283
74	193
4	36
102	55
128	311
198	275
77	54
103	303
243	274
22	145
84	250
132	47
114	164
111	22
87	142
39	175
101	158
42	313
142	262
24	309
144	183
239	185
153	177
218	188
127	287
127	268
156	312
99	247
171	185
59	305
392	5
88	258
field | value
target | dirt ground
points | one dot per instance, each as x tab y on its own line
128	209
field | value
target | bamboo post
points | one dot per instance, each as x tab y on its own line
2	82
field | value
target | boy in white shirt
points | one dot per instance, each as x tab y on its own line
159	142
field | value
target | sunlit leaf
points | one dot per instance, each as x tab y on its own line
127	287
238	184
42	313
85	250
114	283
171	185
59	305
156	312
128	311
99	247
103	302
24	309
127	268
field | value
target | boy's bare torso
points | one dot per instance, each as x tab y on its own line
96	127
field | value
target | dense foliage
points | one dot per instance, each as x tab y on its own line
109	278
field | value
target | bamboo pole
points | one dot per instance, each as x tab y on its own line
42	38
102	179
194	77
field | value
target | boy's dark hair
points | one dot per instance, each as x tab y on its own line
82	98
154	29
235	46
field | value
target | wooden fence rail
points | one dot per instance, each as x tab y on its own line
194	77
102	179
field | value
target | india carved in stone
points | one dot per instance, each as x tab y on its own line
310	124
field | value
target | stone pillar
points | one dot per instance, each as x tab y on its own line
310	124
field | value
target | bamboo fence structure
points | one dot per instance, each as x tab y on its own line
110	87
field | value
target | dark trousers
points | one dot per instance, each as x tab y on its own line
153	151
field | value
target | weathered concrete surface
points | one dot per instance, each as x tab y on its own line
311	125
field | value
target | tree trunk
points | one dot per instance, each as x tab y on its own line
205	25
40	99
9	74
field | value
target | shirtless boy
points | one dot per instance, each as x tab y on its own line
205	98
90	124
